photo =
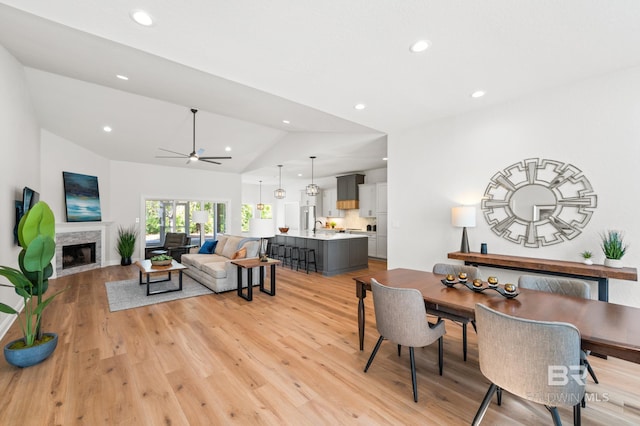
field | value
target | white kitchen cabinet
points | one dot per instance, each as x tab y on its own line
373	246
381	247
381	224
381	197
367	194
329	200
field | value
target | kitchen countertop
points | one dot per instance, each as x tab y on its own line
323	236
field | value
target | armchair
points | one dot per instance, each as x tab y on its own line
175	244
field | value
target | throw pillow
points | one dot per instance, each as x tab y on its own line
208	247
240	254
222	241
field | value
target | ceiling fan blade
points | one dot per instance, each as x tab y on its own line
215	158
173	152
168	156
208	161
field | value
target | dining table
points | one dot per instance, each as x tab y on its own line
607	329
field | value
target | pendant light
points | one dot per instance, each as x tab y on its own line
312	189
260	206
280	193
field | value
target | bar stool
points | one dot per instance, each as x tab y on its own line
306	257
274	249
295	256
286	254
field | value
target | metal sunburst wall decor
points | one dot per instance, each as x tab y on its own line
538	202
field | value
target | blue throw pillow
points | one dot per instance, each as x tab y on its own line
208	247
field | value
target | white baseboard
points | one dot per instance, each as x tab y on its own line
8	320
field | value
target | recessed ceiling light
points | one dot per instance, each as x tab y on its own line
420	46
299	174
360	106
286	121
478	94
122	77
384	158
228	149
142	17
107	129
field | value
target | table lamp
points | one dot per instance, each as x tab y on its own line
201	217
463	217
263	229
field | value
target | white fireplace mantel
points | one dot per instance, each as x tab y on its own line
68	227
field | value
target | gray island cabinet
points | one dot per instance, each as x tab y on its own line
335	253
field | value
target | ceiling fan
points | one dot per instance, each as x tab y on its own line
195	155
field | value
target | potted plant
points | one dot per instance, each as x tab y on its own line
614	248
36	233
126	244
586	256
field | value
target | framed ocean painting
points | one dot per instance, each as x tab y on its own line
81	197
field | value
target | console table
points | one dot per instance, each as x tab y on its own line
599	273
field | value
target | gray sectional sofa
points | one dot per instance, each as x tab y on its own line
215	270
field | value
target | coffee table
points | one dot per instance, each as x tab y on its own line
148	269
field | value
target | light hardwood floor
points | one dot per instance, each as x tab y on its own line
289	359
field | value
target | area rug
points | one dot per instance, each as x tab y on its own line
129	294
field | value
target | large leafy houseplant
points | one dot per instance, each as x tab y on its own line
36	233
126	244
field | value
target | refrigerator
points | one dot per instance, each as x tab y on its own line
307	218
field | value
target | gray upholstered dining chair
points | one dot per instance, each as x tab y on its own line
402	318
574	288
472	273
521	356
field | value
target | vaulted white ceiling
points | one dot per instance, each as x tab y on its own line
248	65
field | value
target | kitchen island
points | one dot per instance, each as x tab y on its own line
336	253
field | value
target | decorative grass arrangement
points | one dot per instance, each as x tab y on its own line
613	245
126	241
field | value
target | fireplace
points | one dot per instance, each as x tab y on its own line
79	250
78	255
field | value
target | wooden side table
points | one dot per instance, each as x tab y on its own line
249	264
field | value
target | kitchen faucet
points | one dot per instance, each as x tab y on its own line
314	225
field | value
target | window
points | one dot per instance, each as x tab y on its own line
247	215
266	212
164	216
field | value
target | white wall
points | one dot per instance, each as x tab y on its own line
19	164
593	125
124	186
131	183
59	155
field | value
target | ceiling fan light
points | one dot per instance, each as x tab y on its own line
193	157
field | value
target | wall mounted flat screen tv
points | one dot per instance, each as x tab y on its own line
29	199
81	197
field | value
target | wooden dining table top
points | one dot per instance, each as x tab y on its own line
605	328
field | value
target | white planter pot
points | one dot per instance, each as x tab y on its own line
588	262
613	263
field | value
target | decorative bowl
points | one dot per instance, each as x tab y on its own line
161	262
283	230
509	288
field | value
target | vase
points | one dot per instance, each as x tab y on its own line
588	262
125	261
613	263
26	357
